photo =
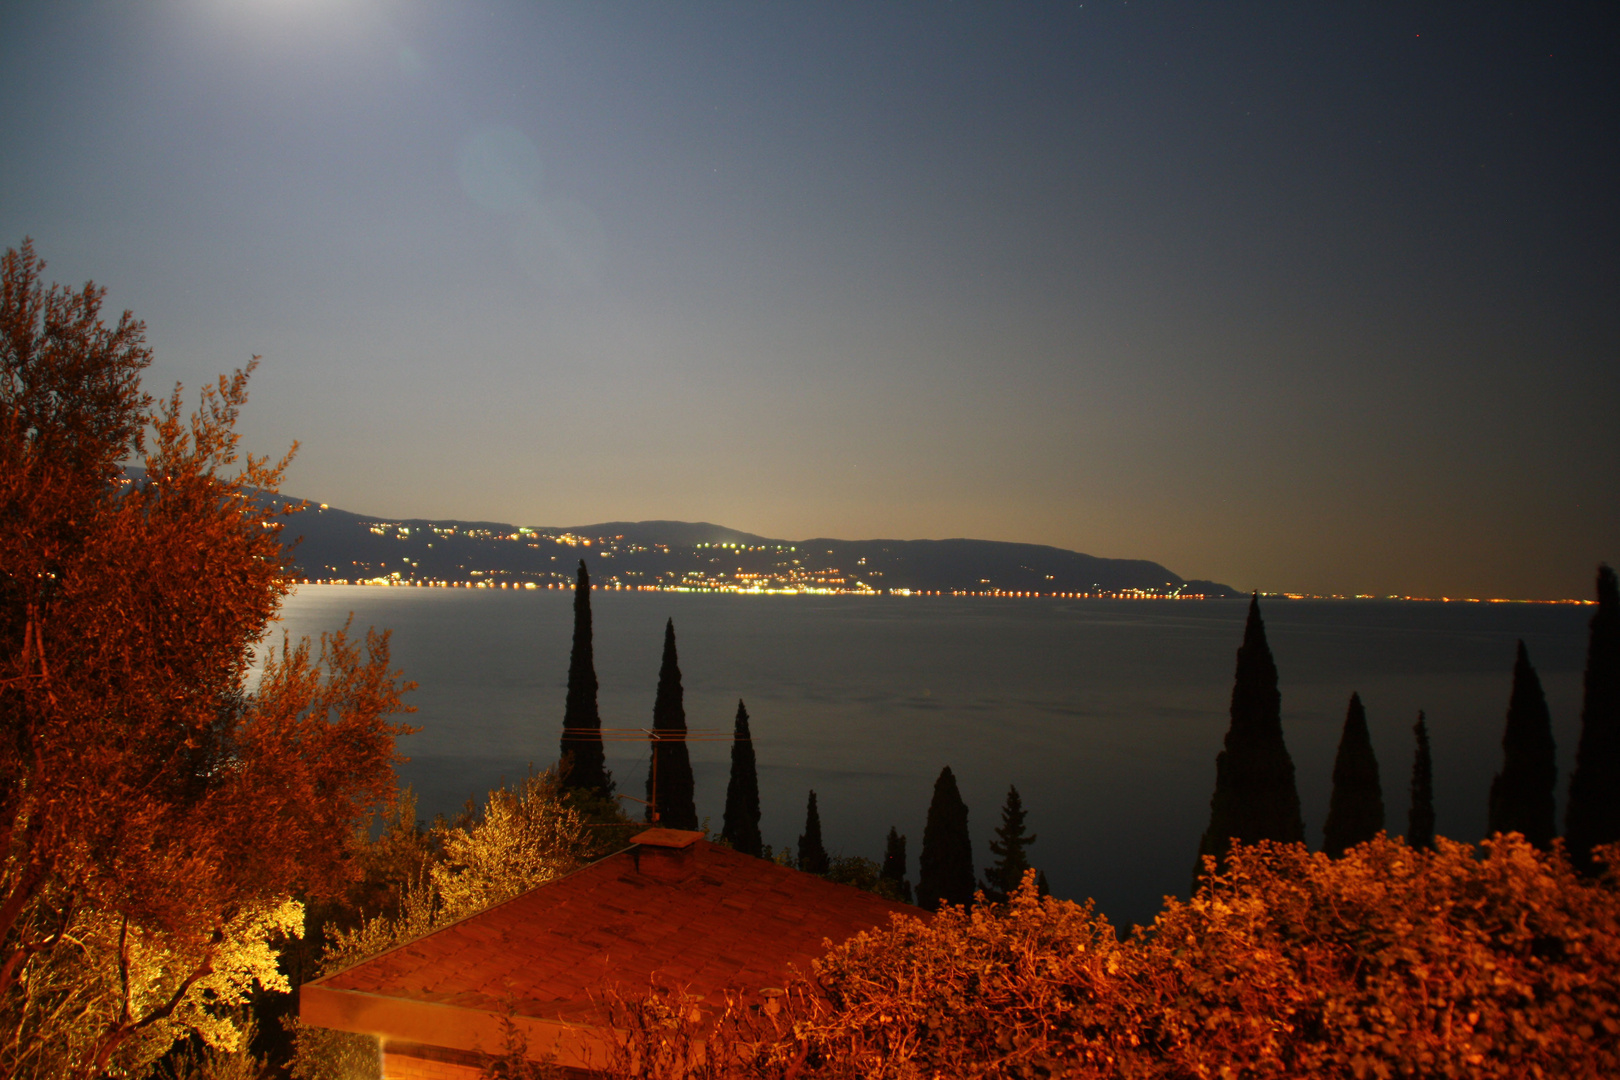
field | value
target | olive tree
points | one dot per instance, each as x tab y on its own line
156	800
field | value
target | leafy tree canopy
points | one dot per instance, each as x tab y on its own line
1499	962
150	786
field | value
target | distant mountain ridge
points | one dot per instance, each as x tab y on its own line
338	545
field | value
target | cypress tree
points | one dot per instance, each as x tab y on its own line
894	864
1356	809
673	765
1522	793
1593	814
1001	879
812	856
1255	798
741	826
1420	814
582	724
945	868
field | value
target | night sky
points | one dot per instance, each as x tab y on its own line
1292	296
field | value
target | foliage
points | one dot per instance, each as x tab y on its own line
607	828
587	766
1389	961
671	1034
60	1011
740	826
1356	808
197	1060
145	787
781	857
866	875
390	847
324	1054
812	855
513	1061
671	764
1011	840
1420	812
1593	814
522	838
1255	798
1522	793
945	868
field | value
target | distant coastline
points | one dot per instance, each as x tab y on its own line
336	546
735	590
1127	595
330	546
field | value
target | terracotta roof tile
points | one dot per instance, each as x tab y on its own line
736	924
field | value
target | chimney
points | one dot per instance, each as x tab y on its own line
668	855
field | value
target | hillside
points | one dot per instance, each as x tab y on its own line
337	545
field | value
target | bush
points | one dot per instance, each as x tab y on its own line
1388	962
523	837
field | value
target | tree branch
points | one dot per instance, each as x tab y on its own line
27	887
125	1028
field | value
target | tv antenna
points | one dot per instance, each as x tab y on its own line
653	737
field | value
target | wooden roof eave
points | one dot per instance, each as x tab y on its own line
578	1046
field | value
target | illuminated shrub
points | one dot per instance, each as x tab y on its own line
1387	962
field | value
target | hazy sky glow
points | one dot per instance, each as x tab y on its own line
1291	296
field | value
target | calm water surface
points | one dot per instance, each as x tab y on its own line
1107	715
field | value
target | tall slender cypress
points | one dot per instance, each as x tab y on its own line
582	724
670	760
1593	815
894	864
1420	812
741	825
1007	873
1255	798
812	856
1522	793
945	868
1356	809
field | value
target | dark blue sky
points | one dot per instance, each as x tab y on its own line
1294	296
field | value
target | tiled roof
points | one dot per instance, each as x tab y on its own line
736	923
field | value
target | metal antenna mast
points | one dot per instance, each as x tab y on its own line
651	736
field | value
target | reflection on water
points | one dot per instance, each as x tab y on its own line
1107	715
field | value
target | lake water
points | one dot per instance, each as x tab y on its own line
1107	715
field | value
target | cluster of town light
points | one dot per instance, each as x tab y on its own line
792	580
758	588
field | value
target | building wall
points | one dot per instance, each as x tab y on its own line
407	1067
414	1061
